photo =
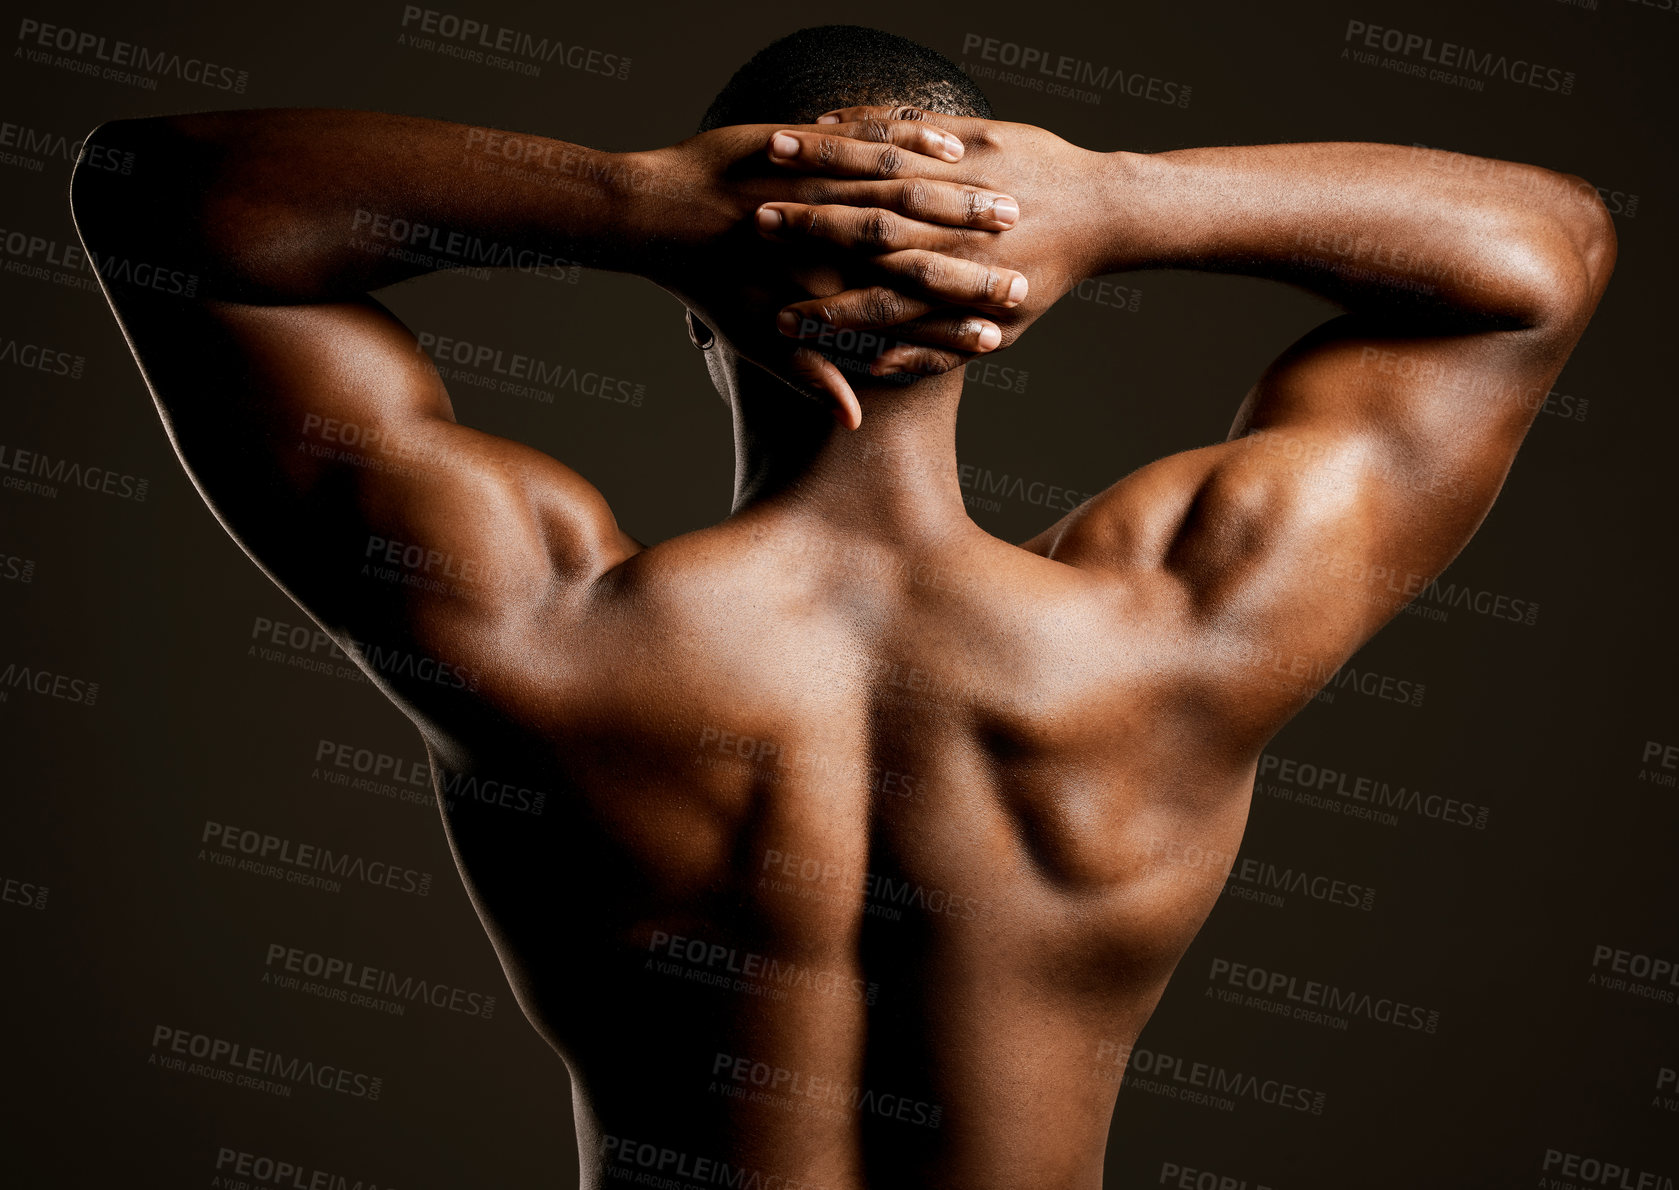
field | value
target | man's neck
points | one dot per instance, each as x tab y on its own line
895	476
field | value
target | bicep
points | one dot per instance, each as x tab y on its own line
324	441
1358	467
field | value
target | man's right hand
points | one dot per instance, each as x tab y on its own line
1066	231
692	231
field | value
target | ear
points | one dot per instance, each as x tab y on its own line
699	334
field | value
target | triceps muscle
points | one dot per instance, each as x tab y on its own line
1361	466
324	442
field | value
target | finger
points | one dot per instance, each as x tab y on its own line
915	276
844	115
926	139
868	229
951	330
856	309
901	113
952	204
973	131
876	307
842	157
828	381
917	344
953	281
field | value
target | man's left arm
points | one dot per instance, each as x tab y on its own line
239	259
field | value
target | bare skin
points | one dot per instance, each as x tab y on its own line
853	865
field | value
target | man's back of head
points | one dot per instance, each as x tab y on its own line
794	81
799	77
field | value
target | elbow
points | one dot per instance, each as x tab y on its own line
1572	261
111	199
1591	229
90	190
140	190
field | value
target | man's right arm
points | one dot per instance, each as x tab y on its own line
1370	451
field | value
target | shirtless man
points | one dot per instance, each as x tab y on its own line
748	732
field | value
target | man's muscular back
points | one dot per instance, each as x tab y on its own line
852	865
865	840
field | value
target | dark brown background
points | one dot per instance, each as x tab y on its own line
1545	724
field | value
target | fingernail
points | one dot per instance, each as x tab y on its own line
770	219
782	145
787	323
989	337
952	147
1005	210
828	119
1017	290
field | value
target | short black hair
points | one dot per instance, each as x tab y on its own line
796	79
